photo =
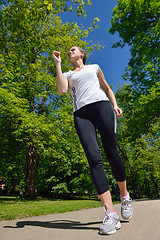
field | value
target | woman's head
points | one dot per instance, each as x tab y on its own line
77	51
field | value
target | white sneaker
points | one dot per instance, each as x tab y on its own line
126	207
111	223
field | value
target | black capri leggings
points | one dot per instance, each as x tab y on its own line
99	115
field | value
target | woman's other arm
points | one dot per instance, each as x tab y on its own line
109	92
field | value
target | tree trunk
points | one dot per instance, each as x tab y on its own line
31	172
155	183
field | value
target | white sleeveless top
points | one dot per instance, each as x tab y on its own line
84	86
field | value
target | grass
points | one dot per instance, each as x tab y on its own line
14	208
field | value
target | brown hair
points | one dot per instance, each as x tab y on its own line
85	57
82	50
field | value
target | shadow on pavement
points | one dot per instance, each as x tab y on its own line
58	224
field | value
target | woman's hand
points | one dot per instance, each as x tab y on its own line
56	57
118	111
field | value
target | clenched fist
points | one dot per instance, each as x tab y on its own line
56	57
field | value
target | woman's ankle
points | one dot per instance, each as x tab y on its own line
125	194
108	208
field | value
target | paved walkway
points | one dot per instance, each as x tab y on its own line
84	225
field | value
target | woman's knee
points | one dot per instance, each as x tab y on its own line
94	157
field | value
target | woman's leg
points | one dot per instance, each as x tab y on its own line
106	199
87	135
123	188
105	124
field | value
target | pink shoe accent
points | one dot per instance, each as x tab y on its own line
125	196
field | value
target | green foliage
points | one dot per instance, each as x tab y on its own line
60	188
37	129
140	110
138	25
35	119
66	162
139	139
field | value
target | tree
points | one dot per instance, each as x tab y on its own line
140	111
29	32
138	25
138	140
63	168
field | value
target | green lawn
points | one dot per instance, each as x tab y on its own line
13	208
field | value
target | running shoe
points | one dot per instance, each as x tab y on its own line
126	207
111	223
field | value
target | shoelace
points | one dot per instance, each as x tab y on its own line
107	219
105	204
126	203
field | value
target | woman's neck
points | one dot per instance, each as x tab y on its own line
78	65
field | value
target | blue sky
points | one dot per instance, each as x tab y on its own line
111	60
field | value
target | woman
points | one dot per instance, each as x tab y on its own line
92	110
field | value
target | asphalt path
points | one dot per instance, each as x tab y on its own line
84	225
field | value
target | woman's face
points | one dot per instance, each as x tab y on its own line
74	54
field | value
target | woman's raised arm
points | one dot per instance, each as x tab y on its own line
62	82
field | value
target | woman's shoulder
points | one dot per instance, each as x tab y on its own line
67	74
94	67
